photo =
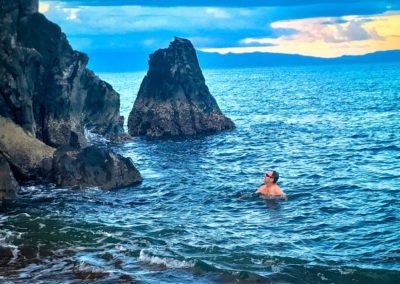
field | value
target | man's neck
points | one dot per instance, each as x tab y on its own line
269	185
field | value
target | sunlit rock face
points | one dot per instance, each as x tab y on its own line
29	157
44	84
173	99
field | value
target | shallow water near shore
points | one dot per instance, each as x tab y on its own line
333	134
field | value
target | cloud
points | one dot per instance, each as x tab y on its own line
226	3
123	19
133	26
334	21
255	42
311	27
71	13
218	13
352	35
354	31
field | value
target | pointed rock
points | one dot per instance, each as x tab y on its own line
173	99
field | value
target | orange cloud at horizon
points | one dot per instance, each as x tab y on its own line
328	36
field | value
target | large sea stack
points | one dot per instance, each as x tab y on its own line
173	99
47	99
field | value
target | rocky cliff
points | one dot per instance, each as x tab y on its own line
44	84
173	99
47	98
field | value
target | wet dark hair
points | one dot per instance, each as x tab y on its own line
275	176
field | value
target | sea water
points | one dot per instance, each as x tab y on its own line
333	134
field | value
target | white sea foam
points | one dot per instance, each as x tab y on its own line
276	268
322	276
94	138
4	281
121	248
346	271
164	261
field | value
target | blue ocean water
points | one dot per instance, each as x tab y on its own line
333	134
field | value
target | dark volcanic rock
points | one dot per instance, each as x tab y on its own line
31	159
93	167
6	254
44	84
102	111
28	159
8	185
85	271
48	97
173	99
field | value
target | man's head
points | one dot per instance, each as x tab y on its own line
271	176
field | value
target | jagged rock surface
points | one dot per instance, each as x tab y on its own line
8	185
47	97
31	159
93	167
173	99
44	84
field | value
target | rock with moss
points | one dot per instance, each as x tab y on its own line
29	157
173	99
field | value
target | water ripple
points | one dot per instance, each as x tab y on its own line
332	134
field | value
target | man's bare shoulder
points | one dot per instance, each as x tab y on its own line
278	190
261	189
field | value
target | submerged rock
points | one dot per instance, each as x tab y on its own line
173	99
93	166
86	271
6	254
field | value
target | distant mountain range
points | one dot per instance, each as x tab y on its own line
105	61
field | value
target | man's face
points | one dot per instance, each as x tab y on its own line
268	178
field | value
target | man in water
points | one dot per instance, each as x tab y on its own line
270	188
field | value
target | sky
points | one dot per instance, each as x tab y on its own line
324	28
